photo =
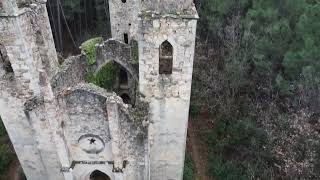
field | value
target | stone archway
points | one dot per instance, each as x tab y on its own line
98	175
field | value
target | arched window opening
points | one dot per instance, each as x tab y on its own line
4	61
165	58
126	38
98	175
123	80
126	98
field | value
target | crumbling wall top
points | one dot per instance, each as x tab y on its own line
12	8
168	6
71	72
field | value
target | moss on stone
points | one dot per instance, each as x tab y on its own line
89	48
134	52
146	14
140	114
105	77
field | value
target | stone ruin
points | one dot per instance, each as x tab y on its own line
65	128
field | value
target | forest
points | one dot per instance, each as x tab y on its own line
255	104
260	65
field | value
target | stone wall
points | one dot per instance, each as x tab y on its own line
70	73
86	115
167	6
168	94
124	18
58	123
88	111
26	37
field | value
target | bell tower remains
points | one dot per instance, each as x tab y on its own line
166	51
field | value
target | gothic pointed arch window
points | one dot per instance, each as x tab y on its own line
165	58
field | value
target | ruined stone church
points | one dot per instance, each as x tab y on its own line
64	128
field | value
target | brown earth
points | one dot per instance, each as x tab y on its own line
196	145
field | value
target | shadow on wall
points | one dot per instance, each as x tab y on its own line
98	175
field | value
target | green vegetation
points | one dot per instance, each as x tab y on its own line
189	168
135	51
5	158
89	47
260	65
2	128
22	176
240	151
5	155
105	77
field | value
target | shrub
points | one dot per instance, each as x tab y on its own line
222	169
2	128
189	168
106	77
5	158
89	47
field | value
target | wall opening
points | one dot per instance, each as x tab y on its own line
123	1
123	79
126	98
126	38
165	58
98	175
5	64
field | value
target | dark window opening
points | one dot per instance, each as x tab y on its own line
98	175
123	1
123	79
4	60
126	98
165	58
125	37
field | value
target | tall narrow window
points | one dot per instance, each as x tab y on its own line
165	58
125	37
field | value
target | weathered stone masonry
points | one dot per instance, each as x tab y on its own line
64	128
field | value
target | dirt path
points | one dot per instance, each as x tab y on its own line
197	147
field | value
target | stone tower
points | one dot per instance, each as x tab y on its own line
166	50
28	60
64	128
